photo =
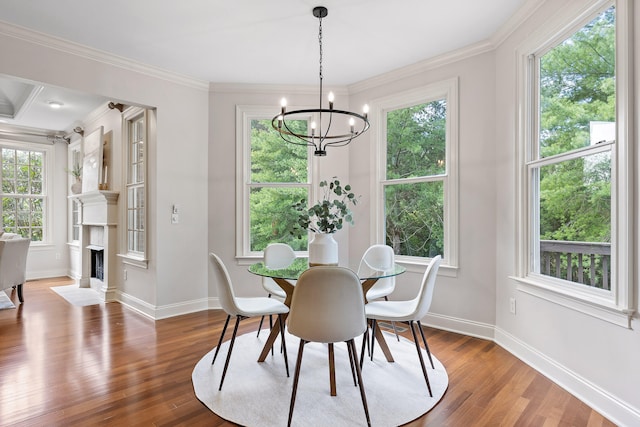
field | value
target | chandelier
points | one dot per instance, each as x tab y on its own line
321	135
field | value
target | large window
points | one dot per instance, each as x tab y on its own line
136	134
572	143
23	190
275	176
418	183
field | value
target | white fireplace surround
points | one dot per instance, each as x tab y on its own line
99	220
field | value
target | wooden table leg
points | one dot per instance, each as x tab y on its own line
383	344
288	288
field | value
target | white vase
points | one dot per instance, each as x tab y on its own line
76	187
323	250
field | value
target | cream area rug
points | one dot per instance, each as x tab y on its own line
5	301
78	296
258	394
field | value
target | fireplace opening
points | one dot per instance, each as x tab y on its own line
97	262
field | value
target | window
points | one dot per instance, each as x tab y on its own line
24	190
572	225
74	158
136	135
275	176
417	137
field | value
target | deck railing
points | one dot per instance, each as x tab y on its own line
579	262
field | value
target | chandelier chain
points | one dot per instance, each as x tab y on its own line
320	43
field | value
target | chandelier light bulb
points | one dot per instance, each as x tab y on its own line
352	123
331	98
283	105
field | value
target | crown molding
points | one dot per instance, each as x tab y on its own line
422	66
515	21
66	46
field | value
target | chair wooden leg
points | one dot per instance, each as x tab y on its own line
296	375
424	370
373	337
351	343
224	329
20	293
260	326
332	370
426	346
233	340
352	360
284	344
365	341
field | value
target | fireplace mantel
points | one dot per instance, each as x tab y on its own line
99	207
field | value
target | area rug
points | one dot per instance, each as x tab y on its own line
78	296
5	301
258	394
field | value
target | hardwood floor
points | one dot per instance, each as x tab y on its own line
108	365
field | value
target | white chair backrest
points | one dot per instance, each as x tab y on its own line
223	285
278	255
425	295
13	261
379	257
327	305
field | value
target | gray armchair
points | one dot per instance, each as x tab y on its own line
13	263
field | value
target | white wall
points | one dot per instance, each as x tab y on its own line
175	281
596	360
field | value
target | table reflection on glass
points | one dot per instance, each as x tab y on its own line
285	276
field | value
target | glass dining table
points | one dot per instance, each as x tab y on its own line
286	276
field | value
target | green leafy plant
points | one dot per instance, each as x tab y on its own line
76	171
329	214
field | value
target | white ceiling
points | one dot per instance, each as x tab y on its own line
276	42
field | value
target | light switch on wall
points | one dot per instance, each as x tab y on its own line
175	217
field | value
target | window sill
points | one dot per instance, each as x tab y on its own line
593	302
134	261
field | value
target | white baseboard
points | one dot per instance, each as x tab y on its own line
460	326
163	312
614	409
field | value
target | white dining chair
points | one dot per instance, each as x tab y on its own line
13	264
380	257
276	256
328	307
409	312
242	308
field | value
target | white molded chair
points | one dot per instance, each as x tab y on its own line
380	257
276	256
328	307
409	312
13	263
242	308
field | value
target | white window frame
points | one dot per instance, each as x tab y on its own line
135	258
47	186
74	154
615	306
447	89
244	115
